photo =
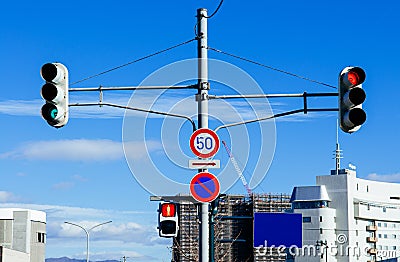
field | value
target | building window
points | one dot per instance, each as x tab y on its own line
384	209
320	218
357	186
41	237
334	219
379	224
384	224
367	189
306	219
379	235
368	207
310	204
320	231
356	233
385	236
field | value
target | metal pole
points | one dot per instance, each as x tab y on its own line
202	98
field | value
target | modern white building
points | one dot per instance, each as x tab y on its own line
346	218
22	235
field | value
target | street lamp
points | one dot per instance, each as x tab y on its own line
87	234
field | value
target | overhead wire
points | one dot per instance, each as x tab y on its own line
270	67
216	10
134	61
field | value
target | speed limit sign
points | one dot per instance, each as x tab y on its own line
204	143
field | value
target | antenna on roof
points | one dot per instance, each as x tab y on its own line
338	152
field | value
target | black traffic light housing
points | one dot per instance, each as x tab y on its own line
351	97
168	221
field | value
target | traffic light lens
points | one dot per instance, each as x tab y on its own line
357	96
53	113
49	91
353	78
357	116
168	227
168	210
49	72
49	112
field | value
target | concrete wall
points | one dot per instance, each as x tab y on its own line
23	231
37	247
9	255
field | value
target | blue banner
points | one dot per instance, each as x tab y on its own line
276	229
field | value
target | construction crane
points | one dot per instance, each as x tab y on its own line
237	169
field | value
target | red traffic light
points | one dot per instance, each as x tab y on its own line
168	210
353	78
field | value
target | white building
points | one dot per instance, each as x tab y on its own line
352	219
22	235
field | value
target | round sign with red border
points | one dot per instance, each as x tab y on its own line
204	187
204	143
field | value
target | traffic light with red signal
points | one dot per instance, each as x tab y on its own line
351	97
168	225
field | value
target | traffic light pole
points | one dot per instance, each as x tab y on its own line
202	99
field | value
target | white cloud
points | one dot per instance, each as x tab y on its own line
127	226
7	197
78	150
133	231
21	107
394	178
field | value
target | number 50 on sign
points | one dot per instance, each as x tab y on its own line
204	143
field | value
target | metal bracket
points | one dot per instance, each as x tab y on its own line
202	97
100	96
204	86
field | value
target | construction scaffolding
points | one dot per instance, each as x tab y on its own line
185	246
233	228
270	203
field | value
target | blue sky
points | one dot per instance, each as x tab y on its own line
79	173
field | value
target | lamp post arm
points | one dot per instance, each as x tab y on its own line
87	238
99	225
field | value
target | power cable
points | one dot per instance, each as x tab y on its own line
216	10
270	67
134	61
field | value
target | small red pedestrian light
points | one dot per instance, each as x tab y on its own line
168	210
